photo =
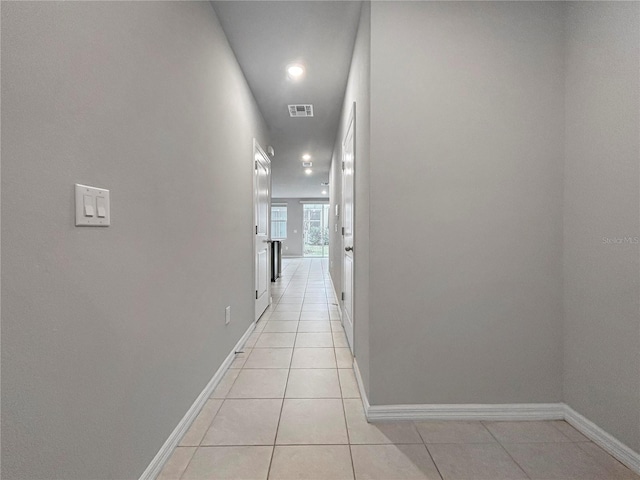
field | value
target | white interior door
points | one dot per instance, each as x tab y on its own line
262	201
348	263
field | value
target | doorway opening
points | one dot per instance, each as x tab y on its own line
315	230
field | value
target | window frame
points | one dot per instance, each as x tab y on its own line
279	221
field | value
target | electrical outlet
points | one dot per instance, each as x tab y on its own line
227	315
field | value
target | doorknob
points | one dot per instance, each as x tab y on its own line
348	249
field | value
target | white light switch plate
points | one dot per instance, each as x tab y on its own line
227	315
93	207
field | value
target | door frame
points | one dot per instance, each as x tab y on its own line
257	150
350	125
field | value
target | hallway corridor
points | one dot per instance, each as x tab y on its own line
289	408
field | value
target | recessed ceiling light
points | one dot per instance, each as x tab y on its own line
324	192
306	156
308	171
295	71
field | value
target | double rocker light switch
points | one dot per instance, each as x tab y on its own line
92	207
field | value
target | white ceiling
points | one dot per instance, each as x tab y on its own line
266	36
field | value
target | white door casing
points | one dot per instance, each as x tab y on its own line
262	225
348	217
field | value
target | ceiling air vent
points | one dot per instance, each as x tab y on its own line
301	110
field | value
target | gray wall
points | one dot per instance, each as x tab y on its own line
467	125
601	206
358	91
293	245
108	335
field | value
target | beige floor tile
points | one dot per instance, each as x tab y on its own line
319	326
284	316
474	461
295	290
393	462
318	421
569	432
244	422
241	358
222	389
269	358
313	383
201	424
314	340
313	358
229	463
287	299
312	299
251	341
559	461
453	431
311	462
336	326
525	432
260	383
361	432
315	307
304	316
316	300
177	463
287	307
348	384
260	325
344	358
275	340
281	326
616	469
340	340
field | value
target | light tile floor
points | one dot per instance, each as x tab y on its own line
289	408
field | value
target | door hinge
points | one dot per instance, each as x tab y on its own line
256	229
342	296
256	294
343	165
342	230
256	164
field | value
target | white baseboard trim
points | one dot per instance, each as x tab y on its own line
598	436
156	465
515	411
335	294
363	393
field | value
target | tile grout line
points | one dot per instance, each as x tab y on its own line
503	448
344	410
286	385
188	463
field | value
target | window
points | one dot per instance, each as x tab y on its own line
278	221
315	233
